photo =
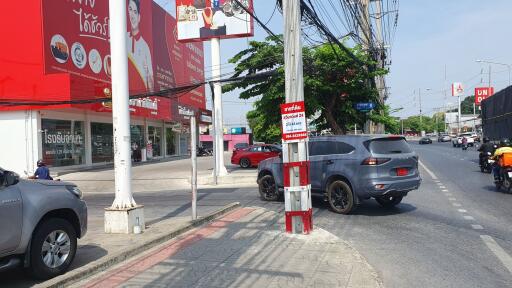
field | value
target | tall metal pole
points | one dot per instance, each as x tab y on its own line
458	120
120	106
193	147
421	115
294	92
489	77
217	106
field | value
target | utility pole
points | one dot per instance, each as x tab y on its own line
421	115
365	34
295	154
379	80
217	106
193	157
124	214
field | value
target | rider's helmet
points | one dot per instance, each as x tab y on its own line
40	163
504	142
486	140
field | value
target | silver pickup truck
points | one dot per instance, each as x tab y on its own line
40	222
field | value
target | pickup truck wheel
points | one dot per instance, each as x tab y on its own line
340	197
245	163
53	248
268	188
389	201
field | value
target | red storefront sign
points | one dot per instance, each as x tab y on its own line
76	58
482	93
293	118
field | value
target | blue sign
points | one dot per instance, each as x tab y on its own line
364	106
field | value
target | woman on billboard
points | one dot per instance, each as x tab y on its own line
139	53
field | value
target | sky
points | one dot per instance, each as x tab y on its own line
431	36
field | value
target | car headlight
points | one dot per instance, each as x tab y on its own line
75	191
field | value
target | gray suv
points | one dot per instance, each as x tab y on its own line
348	169
40	221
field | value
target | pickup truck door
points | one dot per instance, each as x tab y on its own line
11	214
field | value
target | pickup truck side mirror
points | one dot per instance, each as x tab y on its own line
11	178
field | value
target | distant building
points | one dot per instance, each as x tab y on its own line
468	122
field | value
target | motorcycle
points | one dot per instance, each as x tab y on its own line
504	179
486	163
201	151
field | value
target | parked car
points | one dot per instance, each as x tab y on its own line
345	170
457	141
240	146
40	222
444	138
425	140
253	155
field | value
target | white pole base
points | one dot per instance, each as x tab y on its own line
124	221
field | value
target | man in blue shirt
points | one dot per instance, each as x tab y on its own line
42	172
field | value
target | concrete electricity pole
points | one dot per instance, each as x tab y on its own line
124	214
217	107
379	80
299	200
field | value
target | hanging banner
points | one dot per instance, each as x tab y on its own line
293	117
202	20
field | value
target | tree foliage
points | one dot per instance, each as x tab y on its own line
333	83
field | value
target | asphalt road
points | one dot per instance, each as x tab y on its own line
451	233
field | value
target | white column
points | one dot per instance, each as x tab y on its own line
120	105
193	157
217	106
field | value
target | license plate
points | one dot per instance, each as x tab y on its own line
510	174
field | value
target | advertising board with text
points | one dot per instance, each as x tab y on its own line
81	48
293	119
482	93
202	20
457	89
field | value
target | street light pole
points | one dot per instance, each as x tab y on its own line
509	67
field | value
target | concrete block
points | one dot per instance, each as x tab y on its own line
122	221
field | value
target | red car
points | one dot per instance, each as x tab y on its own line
252	156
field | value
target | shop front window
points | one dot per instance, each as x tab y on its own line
102	142
63	142
170	137
154	144
137	138
184	144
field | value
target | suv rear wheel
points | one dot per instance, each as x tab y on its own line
53	248
389	201
268	189
340	197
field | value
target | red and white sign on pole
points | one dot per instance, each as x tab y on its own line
293	116
457	89
482	93
294	126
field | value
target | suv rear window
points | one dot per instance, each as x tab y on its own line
329	148
388	146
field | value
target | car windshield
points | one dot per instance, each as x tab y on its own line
389	146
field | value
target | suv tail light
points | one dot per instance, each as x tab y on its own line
371	161
402	171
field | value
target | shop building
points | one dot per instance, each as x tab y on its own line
49	86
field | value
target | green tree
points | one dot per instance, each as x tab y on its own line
333	83
466	105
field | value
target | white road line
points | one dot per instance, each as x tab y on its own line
428	171
442	187
445	190
467	217
452	199
457	204
477	227
498	251
462	210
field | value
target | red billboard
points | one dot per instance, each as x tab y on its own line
482	93
200	20
75	41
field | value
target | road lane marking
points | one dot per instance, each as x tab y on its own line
452	199
467	217
442	187
463	210
477	227
498	251
445	190
428	170
457	204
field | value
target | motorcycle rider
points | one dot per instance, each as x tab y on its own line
42	172
504	148
487	147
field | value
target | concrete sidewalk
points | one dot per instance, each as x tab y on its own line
246	248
